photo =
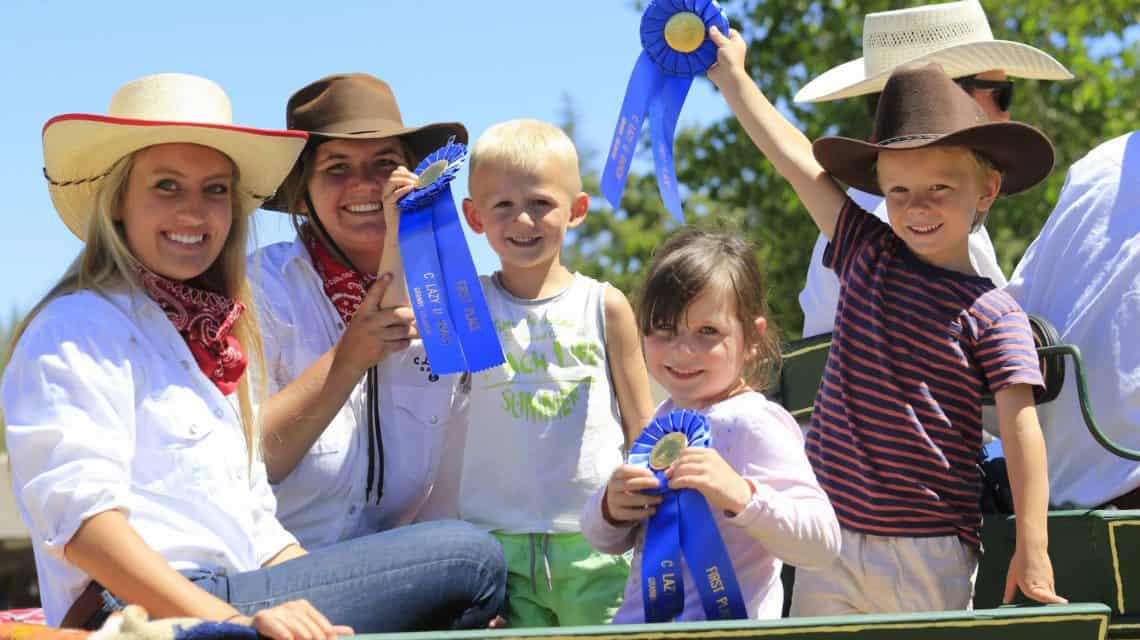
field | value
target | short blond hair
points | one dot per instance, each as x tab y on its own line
523	144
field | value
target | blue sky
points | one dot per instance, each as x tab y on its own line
476	62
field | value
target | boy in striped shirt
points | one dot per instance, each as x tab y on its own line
918	339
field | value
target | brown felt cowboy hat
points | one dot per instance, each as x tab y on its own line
80	149
923	107
357	106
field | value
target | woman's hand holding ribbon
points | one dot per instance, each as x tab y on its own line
624	502
400	183
703	469
375	332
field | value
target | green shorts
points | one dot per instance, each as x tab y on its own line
558	579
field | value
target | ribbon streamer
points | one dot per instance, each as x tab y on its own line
675	47
683	525
446	296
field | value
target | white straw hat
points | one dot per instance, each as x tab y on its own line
80	149
955	35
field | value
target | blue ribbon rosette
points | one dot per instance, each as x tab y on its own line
675	47
682	525
447	298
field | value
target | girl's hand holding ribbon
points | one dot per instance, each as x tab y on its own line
624	502
703	469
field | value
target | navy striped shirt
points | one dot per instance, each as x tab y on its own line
897	422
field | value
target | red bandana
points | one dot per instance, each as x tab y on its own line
344	287
204	319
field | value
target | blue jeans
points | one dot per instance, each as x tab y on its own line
435	575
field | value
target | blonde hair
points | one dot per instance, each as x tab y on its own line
522	145
105	262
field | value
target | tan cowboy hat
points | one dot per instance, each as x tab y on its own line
80	148
358	106
923	107
956	35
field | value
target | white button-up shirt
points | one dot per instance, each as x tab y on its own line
1082	273
323	500
107	409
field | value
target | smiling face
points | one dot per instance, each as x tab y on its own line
524	212
701	361
346	184
934	195
177	208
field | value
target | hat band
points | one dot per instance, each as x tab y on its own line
68	183
72	183
916	136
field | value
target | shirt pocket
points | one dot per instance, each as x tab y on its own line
428	405
182	446
422	416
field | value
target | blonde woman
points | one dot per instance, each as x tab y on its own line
129	411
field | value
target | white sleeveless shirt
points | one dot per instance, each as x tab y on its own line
544	431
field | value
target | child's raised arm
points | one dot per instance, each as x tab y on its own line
1030	569
785	146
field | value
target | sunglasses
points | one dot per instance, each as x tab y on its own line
1003	89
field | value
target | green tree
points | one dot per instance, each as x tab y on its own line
790	41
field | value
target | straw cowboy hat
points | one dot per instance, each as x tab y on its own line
923	107
955	35
358	106
80	149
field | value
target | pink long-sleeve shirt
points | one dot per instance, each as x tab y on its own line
789	518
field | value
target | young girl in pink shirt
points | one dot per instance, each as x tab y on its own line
708	342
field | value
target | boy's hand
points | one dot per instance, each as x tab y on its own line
623	502
703	469
730	52
1031	571
400	183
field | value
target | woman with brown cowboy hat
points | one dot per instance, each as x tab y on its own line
354	427
130	414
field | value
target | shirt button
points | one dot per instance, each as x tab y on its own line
193	429
340	325
186	364
352	510
218	412
434	419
